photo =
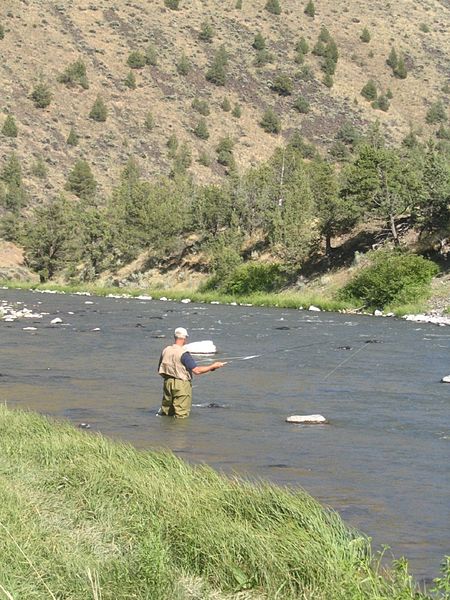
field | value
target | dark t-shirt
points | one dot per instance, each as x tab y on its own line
188	362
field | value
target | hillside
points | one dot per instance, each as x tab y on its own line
42	38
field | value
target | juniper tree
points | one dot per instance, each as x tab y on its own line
436	113
259	43
382	103
226	106
369	91
72	138
9	128
201	106
136	60
270	122
224	151
39	168
217	73
184	65
324	35
11	175
130	81
301	105
237	111
81	180
75	74
400	70
201	130
151	56
392	59
262	58
172	145
2	32
302	46
99	112
365	36
149	122
310	9
206	32
273	6
41	95
328	80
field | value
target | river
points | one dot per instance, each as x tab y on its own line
382	461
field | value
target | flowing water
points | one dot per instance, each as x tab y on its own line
382	461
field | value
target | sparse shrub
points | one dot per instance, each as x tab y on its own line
130	81
75	74
329	66
182	160
324	35
201	106
328	80
217	73
446	88
41	95
184	65
136	60
172	4
262	58
436	113
319	48
271	122
424	27
81	180
226	106
204	158
348	134
237	111
151	55
299	58
310	9
72	138
400	71
394	277
339	151
238	4
443	133
2	32
389	94
206	32
254	277
39	168
10	128
283	85
273	6
201	130
149	122
259	43
224	151
302	46
369	91
297	142
99	112
302	105
365	36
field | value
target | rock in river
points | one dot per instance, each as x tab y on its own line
307	419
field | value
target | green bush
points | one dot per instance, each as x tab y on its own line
365	36
136	60
72	138
262	58
41	95
283	85
259	43
254	277
130	81
201	130
149	122
9	128
400	71
224	151
99	112
302	46
302	105
226	105
201	106
172	4
237	111
2	32
206	32
184	65
151	55
369	91
273	6
436	113
270	122
394	277
310	9
217	72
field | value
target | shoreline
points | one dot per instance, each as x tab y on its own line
284	300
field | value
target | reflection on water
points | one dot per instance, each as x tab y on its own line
382	461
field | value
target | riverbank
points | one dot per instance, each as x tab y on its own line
86	517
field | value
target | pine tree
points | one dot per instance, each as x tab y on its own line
9	128
41	95
237	111
365	36
183	65
201	130
99	112
224	151
149	122
273	6
259	43
302	105
136	60
217	73
270	121
72	139
400	71
130	81
436	113
2	32
172	4
369	91
226	106
302	46
206	32
81	181
310	9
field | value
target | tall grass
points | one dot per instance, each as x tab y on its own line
84	517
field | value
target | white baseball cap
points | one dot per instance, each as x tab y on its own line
181	333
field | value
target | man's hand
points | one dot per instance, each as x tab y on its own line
217	365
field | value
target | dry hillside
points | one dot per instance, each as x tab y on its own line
42	37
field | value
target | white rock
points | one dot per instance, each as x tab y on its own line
55	321
201	347
214	302
306	419
233	303
186	301
144	297
446	379
314	308
89	302
163	299
96	329
29	328
378	313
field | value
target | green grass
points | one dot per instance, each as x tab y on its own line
84	517
280	300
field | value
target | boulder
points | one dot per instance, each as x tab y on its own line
201	347
446	379
307	419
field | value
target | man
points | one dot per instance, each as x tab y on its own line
176	367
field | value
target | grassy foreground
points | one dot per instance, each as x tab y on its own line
84	517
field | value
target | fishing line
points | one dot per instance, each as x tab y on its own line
344	361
